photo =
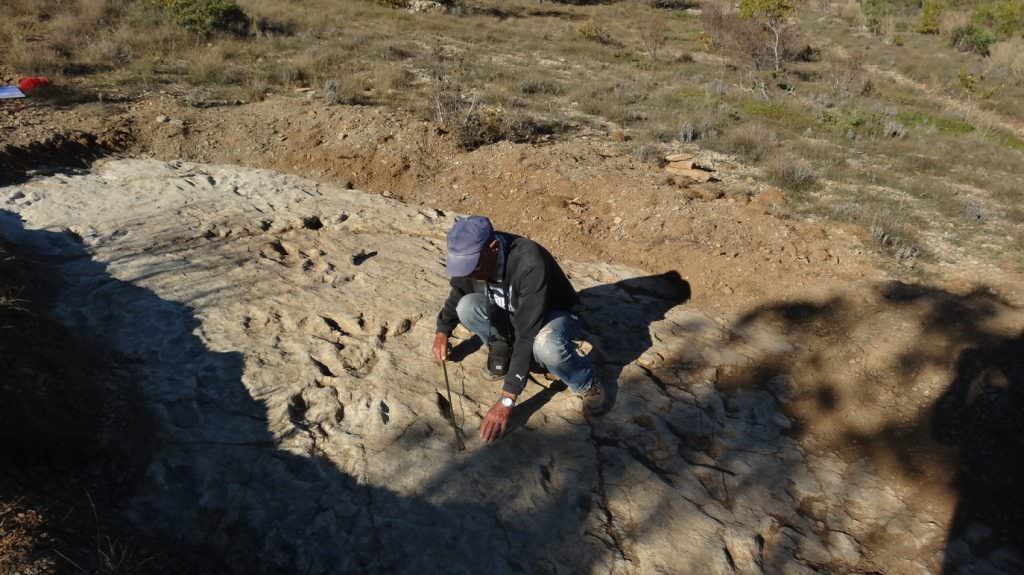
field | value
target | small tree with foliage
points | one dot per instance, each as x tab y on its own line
773	15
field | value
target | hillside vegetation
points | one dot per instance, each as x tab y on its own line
902	118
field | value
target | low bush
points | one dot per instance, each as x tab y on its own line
616	102
652	30
894	130
540	86
845	72
492	126
264	26
204	17
972	39
752	142
594	31
648	154
34	58
791	173
351	89
894	238
697	129
393	77
108	54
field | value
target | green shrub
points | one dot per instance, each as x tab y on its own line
972	39
931	17
205	17
1003	17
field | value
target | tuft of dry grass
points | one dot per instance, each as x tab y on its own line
392	78
19	527
594	30
752	142
893	238
791	172
1006	61
31	57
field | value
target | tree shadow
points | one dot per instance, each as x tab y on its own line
970	438
617	319
980	415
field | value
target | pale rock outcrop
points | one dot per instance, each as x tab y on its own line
280	332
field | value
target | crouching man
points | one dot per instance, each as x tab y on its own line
510	292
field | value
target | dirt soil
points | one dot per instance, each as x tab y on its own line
869	367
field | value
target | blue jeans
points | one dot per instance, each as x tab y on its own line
553	348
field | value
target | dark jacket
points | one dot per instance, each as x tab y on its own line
535	285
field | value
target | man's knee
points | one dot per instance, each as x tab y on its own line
549	348
470	307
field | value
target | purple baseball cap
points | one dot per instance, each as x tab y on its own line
466	240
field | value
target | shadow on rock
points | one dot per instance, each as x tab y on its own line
853	379
980	415
617	318
212	482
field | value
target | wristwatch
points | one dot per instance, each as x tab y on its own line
508	401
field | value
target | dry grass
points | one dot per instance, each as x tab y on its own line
752	142
791	173
19	527
1007	61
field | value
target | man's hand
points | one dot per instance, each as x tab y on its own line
440	346
495	422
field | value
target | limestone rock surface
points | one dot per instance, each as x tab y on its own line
280	331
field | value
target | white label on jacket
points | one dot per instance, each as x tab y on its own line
497	295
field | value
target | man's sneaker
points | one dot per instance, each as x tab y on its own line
489	375
595	400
